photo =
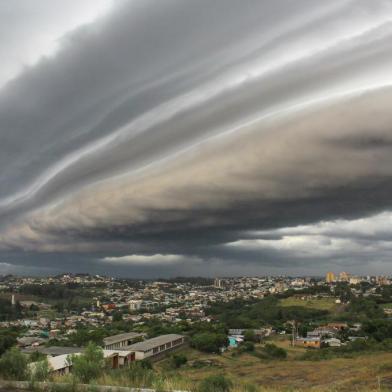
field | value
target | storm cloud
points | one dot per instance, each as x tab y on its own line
190	137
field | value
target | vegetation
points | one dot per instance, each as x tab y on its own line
321	303
271	351
268	311
14	365
216	383
351	349
8	311
7	339
88	366
178	360
209	342
41	371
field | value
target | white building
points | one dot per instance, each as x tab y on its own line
152	347
122	340
135	304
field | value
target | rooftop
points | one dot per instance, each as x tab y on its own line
121	337
53	350
149	344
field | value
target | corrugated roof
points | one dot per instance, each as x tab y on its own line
121	337
53	350
149	344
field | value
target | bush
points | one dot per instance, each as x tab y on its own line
41	371
274	352
13	365
88	366
248	347
249	336
215	384
209	342
146	364
177	360
7	340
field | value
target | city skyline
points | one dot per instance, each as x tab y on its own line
183	138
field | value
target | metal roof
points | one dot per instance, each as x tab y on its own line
121	337
53	350
149	344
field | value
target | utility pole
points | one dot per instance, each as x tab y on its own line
293	332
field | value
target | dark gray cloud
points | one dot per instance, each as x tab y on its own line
181	137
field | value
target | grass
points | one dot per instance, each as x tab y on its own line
314	303
248	373
370	372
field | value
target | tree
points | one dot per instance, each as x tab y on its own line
177	360
88	366
247	347
41	371
117	316
274	352
7	340
249	336
13	365
209	342
216	383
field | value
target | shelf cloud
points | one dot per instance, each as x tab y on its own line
174	137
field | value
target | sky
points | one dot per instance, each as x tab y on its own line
146	138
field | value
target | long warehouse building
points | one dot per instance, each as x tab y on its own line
155	346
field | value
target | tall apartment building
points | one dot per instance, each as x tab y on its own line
330	277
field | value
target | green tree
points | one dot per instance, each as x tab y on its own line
41	371
117	316
7	340
217	383
177	360
209	342
247	347
13	365
249	336
88	366
274	352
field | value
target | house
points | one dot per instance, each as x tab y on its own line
122	340
62	364
118	358
308	342
235	340
333	342
337	326
134	304
59	365
30	341
52	351
156	346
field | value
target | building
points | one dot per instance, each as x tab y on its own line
32	341
118	358
344	277
235	340
330	277
122	340
53	351
135	304
59	365
156	346
314	342
355	280
333	342
219	283
62	364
